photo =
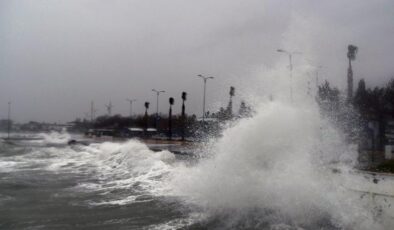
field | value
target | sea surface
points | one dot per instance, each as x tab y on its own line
46	184
253	177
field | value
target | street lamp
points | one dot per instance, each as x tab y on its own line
157	104
290	68
205	88
131	105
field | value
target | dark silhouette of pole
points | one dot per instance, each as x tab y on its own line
230	103
205	89
171	100
109	108
184	97
146	115
157	104
290	54
131	106
351	55
9	120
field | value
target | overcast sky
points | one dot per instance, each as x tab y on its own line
58	55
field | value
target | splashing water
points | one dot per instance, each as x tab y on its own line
54	138
284	168
276	169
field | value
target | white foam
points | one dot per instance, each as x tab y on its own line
54	138
280	160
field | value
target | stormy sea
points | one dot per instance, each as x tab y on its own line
284	168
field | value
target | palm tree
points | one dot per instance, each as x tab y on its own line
184	96
230	103
146	114
171	100
351	55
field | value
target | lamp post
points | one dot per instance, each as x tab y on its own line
205	89
131	105
157	104
290	68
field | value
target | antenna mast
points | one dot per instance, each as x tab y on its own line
109	108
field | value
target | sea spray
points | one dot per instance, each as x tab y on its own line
279	167
54	138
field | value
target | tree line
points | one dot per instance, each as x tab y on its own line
354	114
181	125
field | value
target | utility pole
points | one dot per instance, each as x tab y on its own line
290	54
157	104
205	89
131	106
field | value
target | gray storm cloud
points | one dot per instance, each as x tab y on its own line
57	56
